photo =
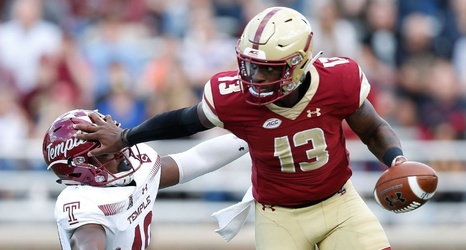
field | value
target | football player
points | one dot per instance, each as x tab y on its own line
289	106
108	202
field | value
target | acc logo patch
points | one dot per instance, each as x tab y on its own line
272	123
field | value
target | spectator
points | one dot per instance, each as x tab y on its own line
14	128
24	40
67	67
381	17
334	35
164	85
445	107
205	49
459	48
113	39
441	22
121	101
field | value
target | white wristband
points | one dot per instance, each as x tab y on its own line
209	156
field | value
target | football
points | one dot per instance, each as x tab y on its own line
405	187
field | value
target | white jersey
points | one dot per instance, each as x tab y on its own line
124	212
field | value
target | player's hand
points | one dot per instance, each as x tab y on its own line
105	131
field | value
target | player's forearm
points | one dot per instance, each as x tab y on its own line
385	144
168	125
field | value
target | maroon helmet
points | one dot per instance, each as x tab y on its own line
67	156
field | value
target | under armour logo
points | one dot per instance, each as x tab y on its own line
264	206
313	113
399	198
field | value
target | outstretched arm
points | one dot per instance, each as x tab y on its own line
377	134
203	158
168	125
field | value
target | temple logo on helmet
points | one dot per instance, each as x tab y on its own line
62	148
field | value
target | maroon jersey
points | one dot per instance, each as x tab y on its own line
298	154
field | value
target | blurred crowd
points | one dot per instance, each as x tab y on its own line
136	58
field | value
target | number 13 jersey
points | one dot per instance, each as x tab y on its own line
298	154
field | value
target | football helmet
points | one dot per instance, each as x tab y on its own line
278	37
68	159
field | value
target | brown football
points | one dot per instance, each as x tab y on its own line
405	187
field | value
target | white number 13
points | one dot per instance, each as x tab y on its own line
317	155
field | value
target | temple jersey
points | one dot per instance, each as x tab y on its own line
124	212
298	154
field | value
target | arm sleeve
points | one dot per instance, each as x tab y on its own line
209	156
169	125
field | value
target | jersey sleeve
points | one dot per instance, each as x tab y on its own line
352	84
78	211
208	105
222	98
365	87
